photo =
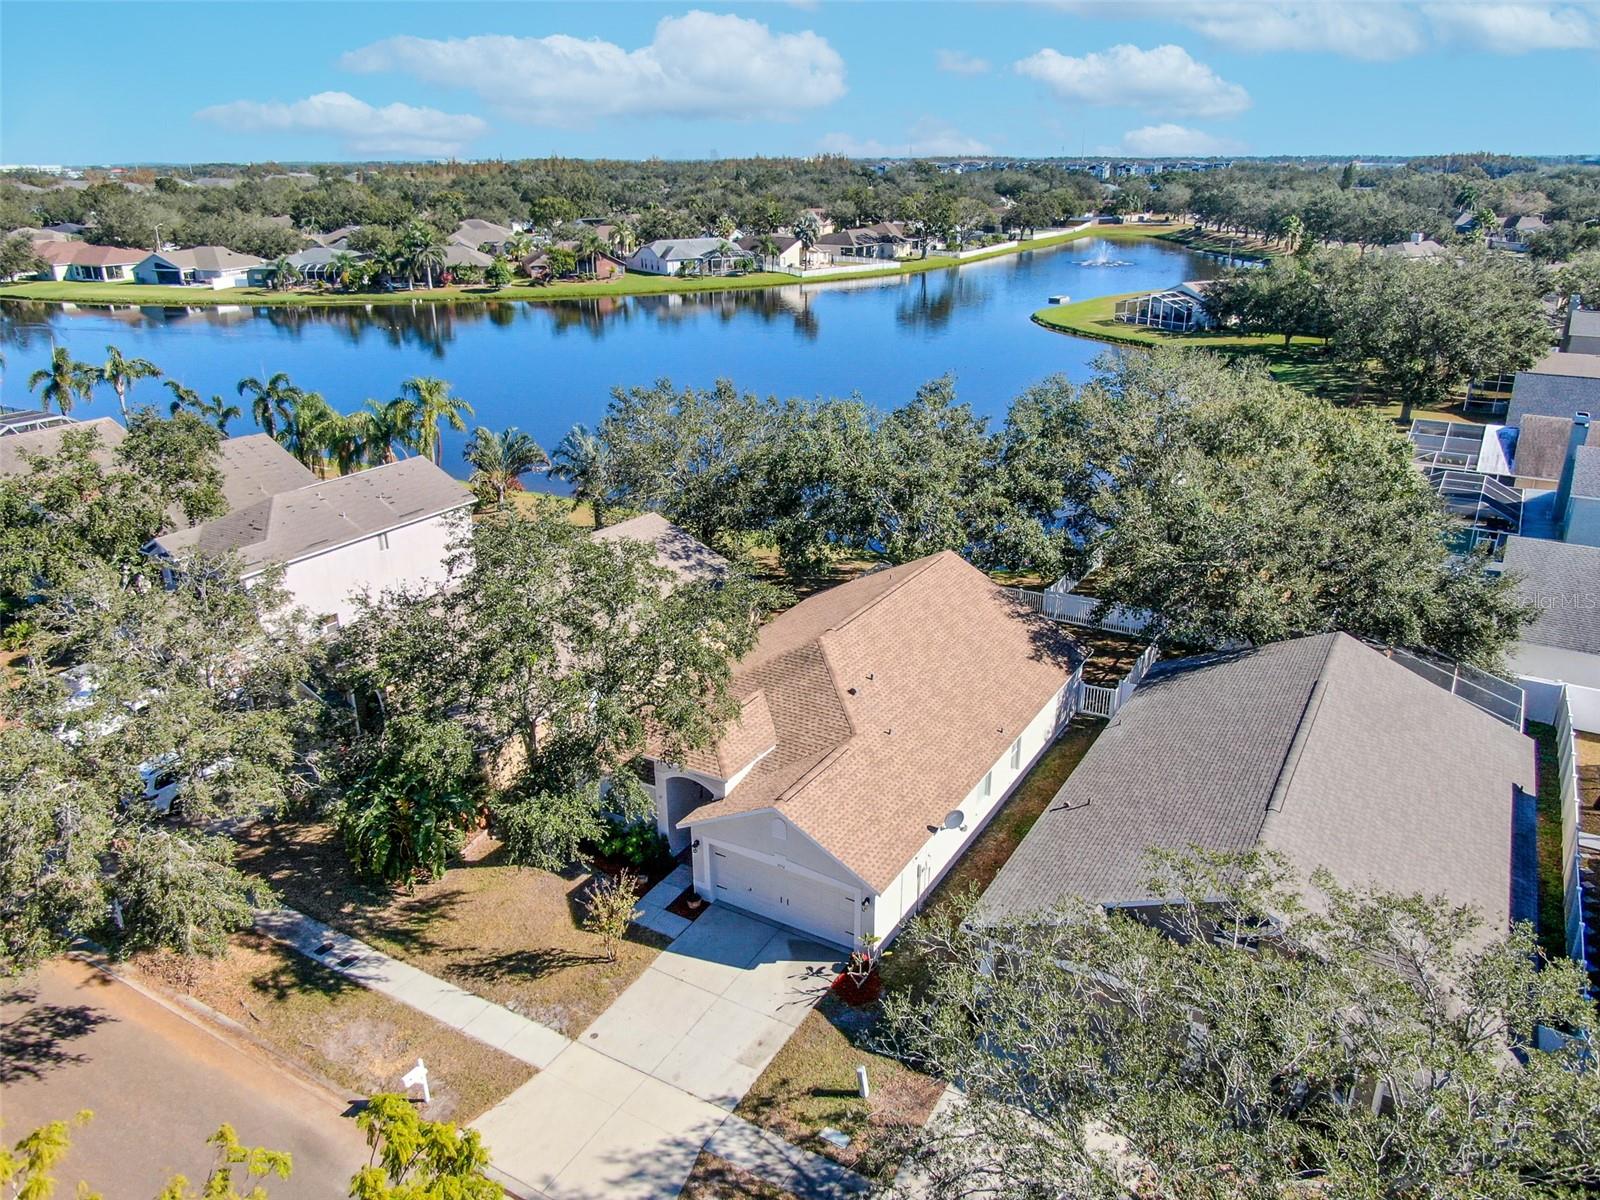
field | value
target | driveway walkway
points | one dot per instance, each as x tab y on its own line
625	1109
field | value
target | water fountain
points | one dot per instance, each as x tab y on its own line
1102	258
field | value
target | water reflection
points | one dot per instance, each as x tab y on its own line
542	366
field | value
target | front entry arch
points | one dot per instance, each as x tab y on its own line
684	795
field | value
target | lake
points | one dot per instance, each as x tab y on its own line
542	367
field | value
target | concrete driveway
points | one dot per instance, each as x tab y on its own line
625	1109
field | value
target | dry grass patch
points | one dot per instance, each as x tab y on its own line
811	1086
336	1028
716	1178
508	934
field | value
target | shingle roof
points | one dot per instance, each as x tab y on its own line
255	466
1586	473
46	441
63	253
1562	581
1320	748
686	557
683	249
329	513
210	258
889	698
1560	385
1583	322
1542	446
459	254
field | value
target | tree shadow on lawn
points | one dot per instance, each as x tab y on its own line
298	976
514	965
31	1044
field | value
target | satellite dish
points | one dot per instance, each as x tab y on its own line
955	819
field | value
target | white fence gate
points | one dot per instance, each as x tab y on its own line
1097	701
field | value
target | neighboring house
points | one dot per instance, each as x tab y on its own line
886	239
1540	450
688	256
1177	310
790	252
214	267
1517	233
1559	385
881	724
1417	246
689	560
601	264
25	420
388	526
33	234
316	264
459	254
1583	332
477	234
79	262
1321	749
336	239
28	435
1561	580
1577	499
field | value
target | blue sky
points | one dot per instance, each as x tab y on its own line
240	80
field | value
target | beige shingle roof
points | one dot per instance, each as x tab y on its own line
686	557
254	467
309	520
889	698
47	441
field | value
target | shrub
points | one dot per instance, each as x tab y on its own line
633	843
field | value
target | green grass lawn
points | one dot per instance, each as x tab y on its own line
626	285
1304	363
1552	919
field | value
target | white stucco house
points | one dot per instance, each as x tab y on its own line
214	267
688	256
882	724
388	526
79	262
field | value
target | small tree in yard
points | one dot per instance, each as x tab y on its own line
612	903
1239	1044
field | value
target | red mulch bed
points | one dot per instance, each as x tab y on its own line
688	905
858	995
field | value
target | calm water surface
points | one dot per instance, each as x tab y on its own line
542	367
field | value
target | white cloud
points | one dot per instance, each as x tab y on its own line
697	65
360	127
1170	141
1378	30
1162	79
959	62
1515	28
928	137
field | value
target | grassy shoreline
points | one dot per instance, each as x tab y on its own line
626	285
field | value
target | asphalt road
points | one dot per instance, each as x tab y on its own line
159	1085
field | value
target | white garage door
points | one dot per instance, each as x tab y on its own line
767	889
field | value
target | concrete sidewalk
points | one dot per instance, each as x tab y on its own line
623	1112
509	1032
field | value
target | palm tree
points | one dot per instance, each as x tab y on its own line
808	229
389	424
285	275
518	246
121	373
342	268
624	236
271	403
579	459
65	381
216	410
423	250
767	247
308	433
499	460
342	437
434	404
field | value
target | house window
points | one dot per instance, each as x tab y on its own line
383	541
988	785
1016	754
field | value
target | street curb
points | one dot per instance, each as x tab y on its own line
201	1015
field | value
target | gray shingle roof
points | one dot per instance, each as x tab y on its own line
685	556
683	249
1562	581
1560	385
47	440
254	467
1586	473
1584	322
1542	446
1319	748
209	258
329	513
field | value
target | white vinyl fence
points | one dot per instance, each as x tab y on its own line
1079	610
1097	701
